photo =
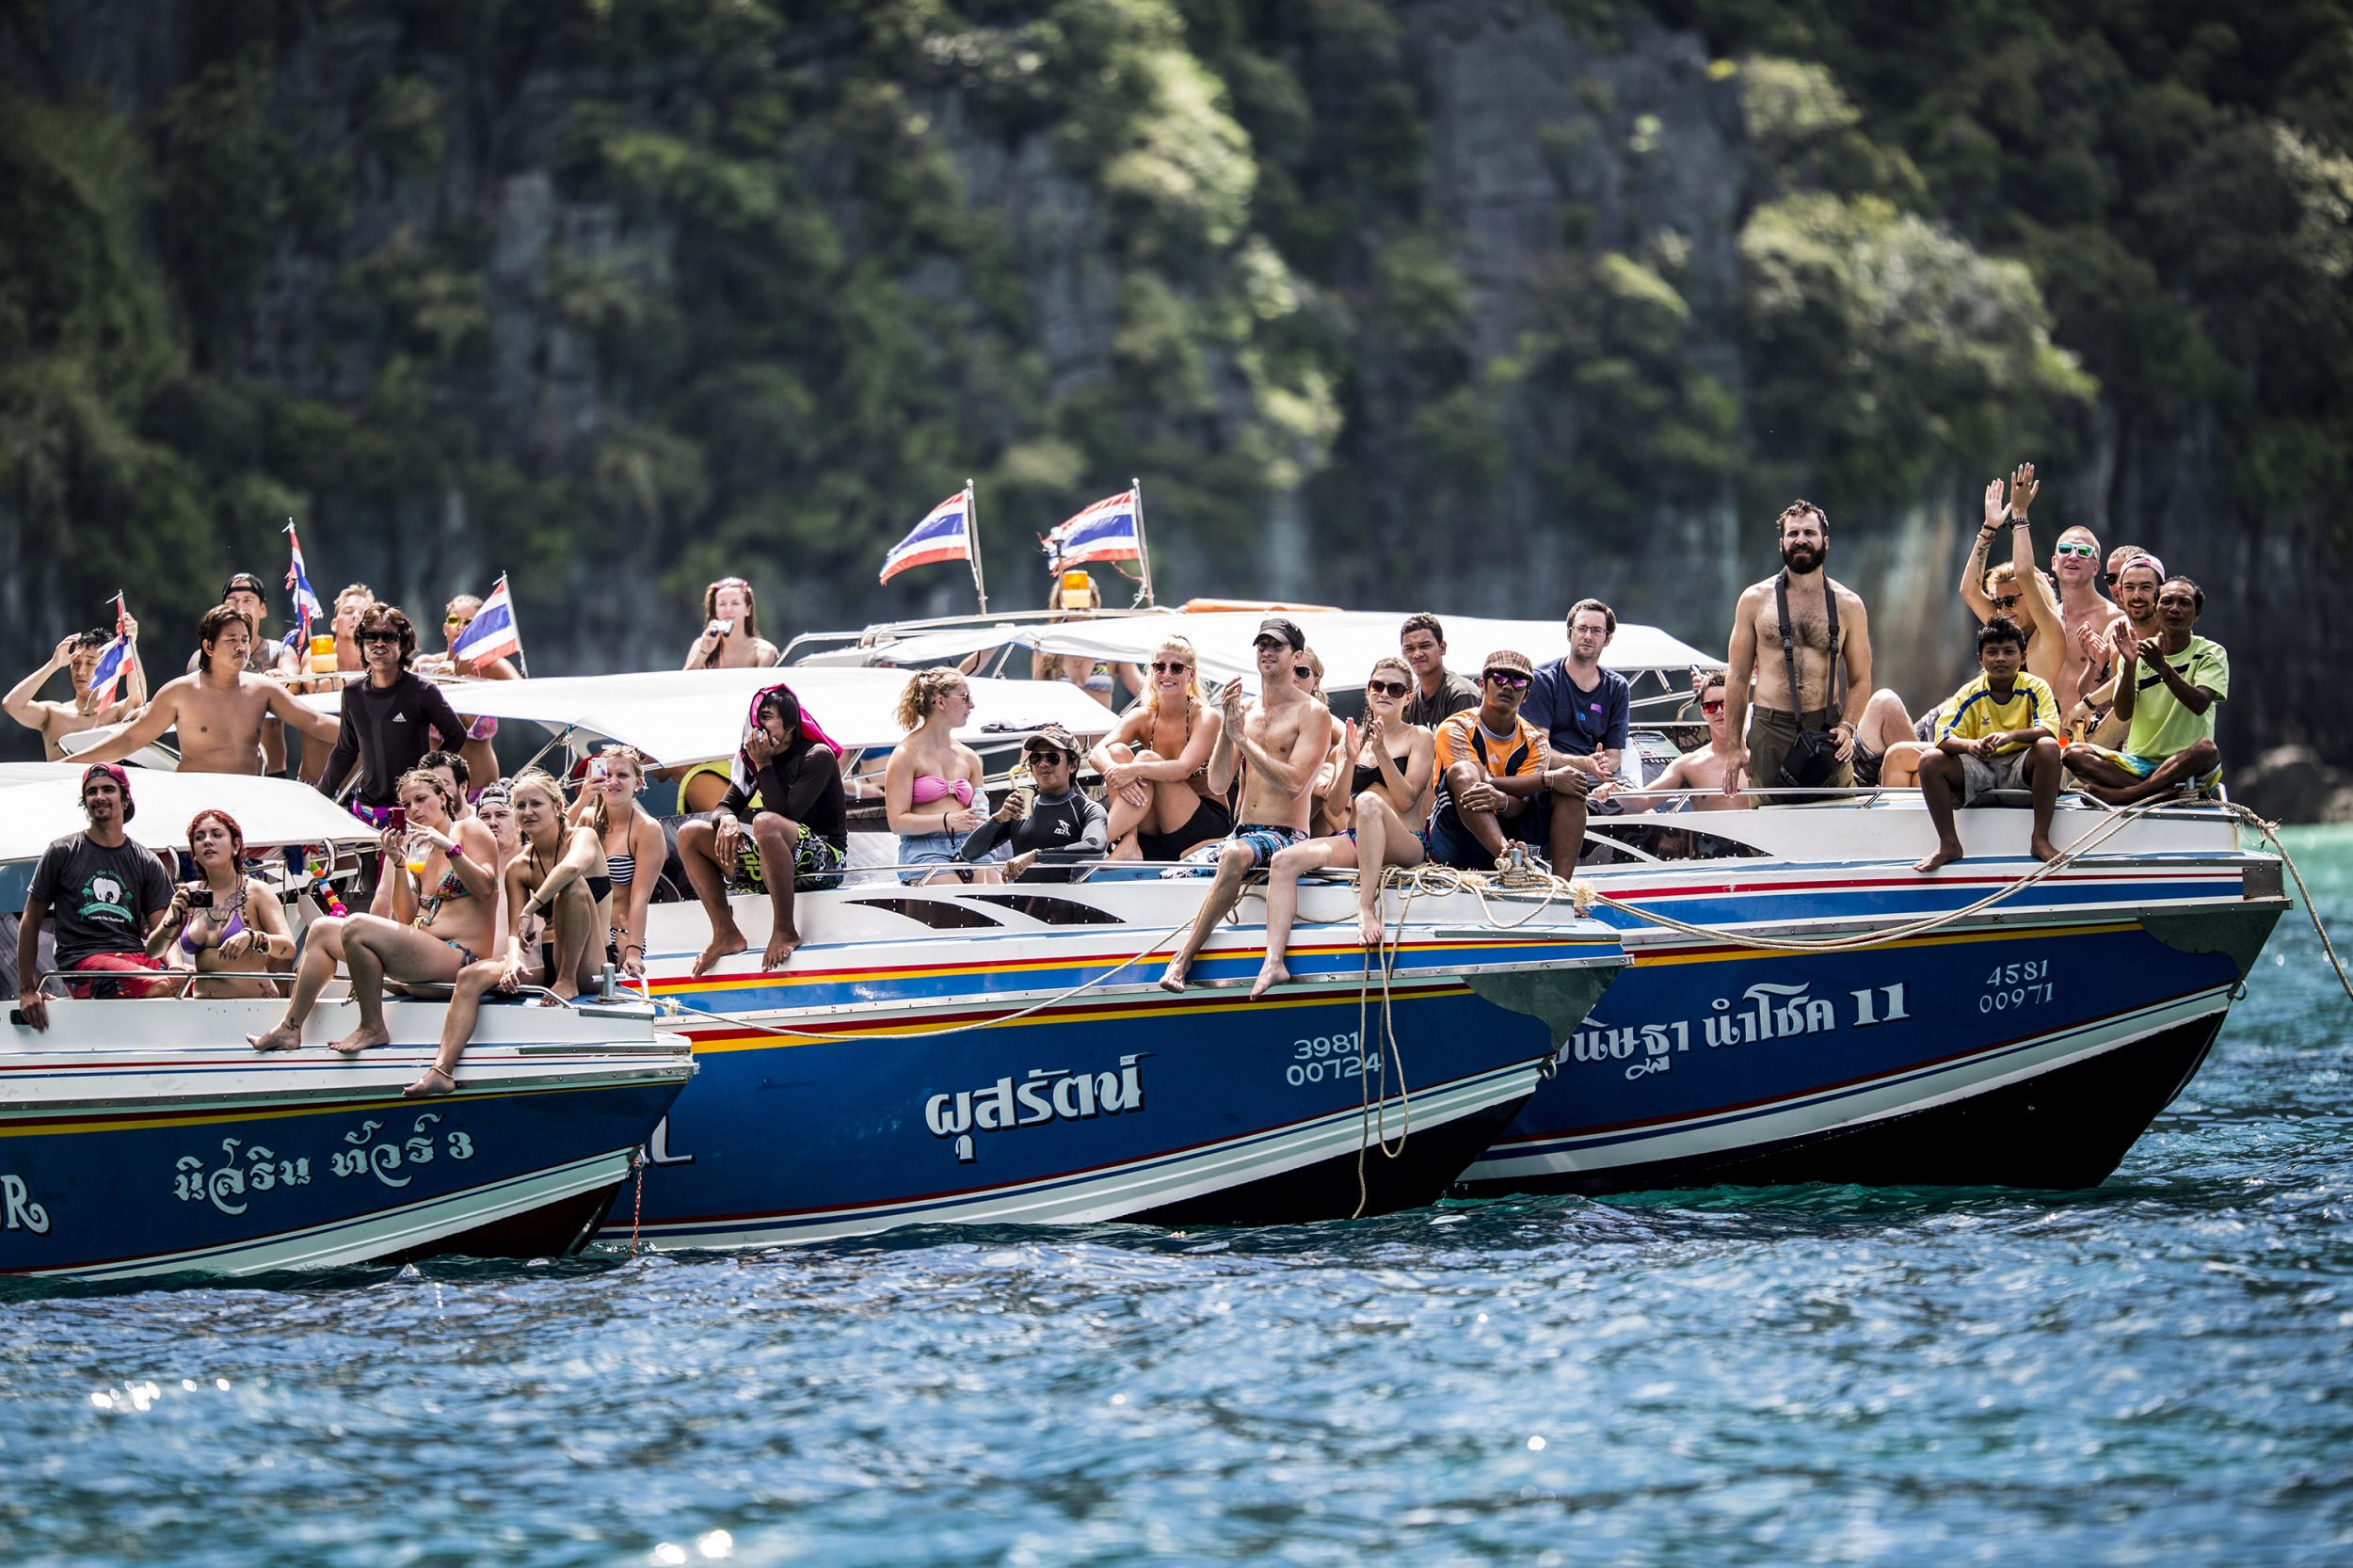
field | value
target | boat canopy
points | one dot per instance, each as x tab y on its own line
1348	641
42	801
676	718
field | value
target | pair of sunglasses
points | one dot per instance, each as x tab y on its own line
1712	709
1045	759
456	620
2007	602
1507	678
1303	672
1388	688
379	636
2086	552
1169	667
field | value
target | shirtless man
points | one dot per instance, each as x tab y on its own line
78	657
2068	648
218	710
1804	535
1282	738
1703	768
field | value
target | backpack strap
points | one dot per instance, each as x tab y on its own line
1789	644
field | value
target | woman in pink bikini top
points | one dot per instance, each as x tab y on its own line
931	791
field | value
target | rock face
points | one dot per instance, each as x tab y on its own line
1523	371
2293	784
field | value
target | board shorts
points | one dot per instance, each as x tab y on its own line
817	864
1980	778
1262	839
2141	767
108	971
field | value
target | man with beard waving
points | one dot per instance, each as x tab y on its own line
1802	734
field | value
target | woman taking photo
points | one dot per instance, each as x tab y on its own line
1154	764
443	874
1393	762
932	791
634	848
225	923
730	638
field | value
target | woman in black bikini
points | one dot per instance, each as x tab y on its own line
634	847
440	920
1393	762
1154	764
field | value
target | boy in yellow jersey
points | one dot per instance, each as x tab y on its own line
2001	730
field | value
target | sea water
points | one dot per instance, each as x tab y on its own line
2155	1371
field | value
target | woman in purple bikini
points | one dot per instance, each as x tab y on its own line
225	923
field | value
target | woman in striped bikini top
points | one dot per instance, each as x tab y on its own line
635	849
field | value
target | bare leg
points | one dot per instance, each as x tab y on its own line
1126	816
1233	863
2042	772
2120	786
374	949
1940	775
1899	769
698	849
778	837
575	934
320	954
1282	904
1884	725
465	1007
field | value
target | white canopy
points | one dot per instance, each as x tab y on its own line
42	801
679	717
1347	640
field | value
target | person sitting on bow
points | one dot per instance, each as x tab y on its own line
797	838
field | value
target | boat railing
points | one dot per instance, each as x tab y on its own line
401	990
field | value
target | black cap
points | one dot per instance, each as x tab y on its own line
249	583
1276	626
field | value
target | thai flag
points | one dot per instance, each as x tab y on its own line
305	605
1104	531
113	659
944	535
492	635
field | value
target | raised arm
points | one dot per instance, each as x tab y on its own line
1973	569
2041	599
135	682
20	703
1224	758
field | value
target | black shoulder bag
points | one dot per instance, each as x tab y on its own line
1812	760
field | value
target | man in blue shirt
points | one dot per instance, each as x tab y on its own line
1584	710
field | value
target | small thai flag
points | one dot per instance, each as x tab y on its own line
944	535
305	605
492	635
1104	531
113	659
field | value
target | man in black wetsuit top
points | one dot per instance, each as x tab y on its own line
799	827
391	719
1064	829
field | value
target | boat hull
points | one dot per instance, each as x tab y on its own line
139	1158
2030	1052
913	1095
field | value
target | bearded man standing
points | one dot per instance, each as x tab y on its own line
1819	628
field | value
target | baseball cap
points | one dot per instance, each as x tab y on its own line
122	777
1054	735
1276	626
248	581
1505	659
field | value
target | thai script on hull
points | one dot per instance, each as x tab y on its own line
1765	1010
1045	1095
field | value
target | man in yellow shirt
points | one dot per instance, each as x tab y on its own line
2001	730
2168	692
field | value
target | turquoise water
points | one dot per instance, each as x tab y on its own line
2155	1371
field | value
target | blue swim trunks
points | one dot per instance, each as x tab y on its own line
1260	838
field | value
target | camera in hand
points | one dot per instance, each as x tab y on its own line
201	898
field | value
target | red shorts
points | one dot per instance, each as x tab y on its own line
121	963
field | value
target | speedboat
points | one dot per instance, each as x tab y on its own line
1004	1054
145	1137
1819	1012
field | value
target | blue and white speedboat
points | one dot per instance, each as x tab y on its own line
2027	1042
145	1137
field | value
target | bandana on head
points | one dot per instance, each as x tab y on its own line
740	773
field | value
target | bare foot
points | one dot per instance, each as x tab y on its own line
724	942
284	1037
437	1081
1274	974
360	1039
1173	978
565	990
1370	929
1944	853
780	947
2043	849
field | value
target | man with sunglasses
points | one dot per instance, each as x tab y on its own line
1701	769
1061	831
391	719
1584	712
1278	744
2067	645
1490	767
218	710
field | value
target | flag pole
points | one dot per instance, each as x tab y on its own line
972	543
1144	550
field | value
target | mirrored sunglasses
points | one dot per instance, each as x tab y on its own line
1507	678
2085	551
1712	709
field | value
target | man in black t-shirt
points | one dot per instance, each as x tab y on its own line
107	893
392	717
